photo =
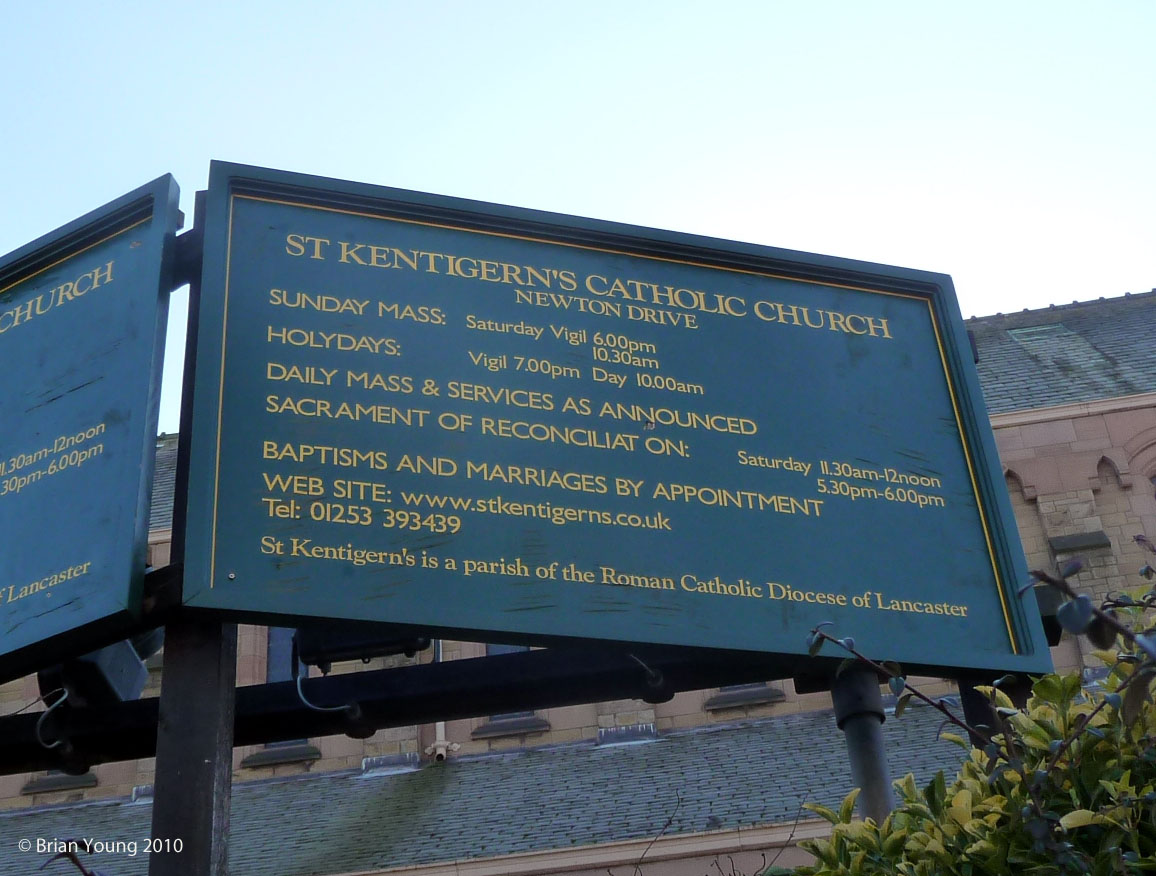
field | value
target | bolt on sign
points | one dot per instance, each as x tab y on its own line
82	321
516	425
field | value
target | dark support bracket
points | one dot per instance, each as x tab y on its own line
190	248
399	697
977	710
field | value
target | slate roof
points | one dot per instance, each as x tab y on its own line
165	475
1067	353
745	774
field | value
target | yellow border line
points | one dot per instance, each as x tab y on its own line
975	489
967	453
221	399
79	252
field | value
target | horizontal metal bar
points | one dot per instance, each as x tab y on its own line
408	695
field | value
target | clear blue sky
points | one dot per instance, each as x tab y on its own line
1010	145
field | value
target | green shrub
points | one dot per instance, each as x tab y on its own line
1066	785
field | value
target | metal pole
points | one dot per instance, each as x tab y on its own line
194	775
859	714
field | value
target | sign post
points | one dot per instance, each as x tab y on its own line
194	777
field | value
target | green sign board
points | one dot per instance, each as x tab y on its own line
521	426
82	320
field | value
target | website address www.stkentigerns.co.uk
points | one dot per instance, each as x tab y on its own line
559	515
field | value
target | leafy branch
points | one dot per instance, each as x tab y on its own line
1065	784
897	681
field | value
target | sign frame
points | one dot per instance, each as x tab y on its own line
114	465
1027	649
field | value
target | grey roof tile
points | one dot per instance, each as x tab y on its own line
1069	353
707	778
164	478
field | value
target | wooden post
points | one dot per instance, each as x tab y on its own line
194	775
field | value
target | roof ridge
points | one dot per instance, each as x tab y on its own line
1052	308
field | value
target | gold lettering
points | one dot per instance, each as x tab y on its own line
294	245
99	279
881	324
349	253
56	297
16	592
379	257
851	327
409	261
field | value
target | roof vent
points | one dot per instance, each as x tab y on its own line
1037	332
389	765
632	734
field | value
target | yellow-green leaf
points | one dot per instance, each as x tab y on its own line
822	811
1033	734
918	841
981	847
976	827
957	739
855	832
996	802
909	789
1108	657
893	844
960	807
847	809
1080	818
997	696
822	850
